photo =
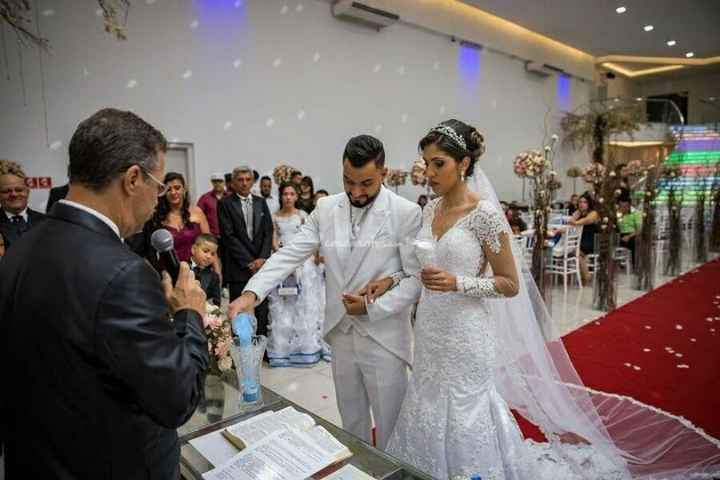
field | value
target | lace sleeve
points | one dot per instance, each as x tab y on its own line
488	225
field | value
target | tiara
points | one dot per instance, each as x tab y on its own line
450	132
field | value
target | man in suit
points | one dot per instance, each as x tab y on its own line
56	193
246	229
364	234
105	375
16	219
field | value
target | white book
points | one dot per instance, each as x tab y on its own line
287	454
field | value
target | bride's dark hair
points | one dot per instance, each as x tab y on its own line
473	139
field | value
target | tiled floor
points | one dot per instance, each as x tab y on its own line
313	388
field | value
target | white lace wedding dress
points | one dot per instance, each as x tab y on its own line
453	422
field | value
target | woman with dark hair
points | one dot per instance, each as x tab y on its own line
184	221
306	201
479	350
587	216
296	320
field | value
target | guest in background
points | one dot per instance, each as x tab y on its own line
255	190
16	218
572	204
320	194
517	224
208	202
306	201
266	192
247	231
586	216
56	193
228	183
204	256
295	319
629	224
296	178
85	324
422	200
174	213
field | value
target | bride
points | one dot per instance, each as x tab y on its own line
480	351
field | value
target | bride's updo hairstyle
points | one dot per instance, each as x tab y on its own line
457	139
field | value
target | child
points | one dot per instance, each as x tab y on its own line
204	253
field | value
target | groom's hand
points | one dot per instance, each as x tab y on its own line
244	303
376	289
354	304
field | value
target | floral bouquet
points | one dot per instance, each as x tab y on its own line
396	177
529	164
219	335
417	173
283	173
594	173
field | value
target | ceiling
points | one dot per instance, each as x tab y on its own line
594	27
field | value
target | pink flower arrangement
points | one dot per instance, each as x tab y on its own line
529	164
594	173
218	332
417	173
395	177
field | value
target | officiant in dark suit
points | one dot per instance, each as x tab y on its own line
102	361
246	230
16	219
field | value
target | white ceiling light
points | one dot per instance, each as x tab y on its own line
671	43
621	10
639	99
648	28
690	54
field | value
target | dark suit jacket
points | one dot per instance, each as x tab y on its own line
210	283
97	377
12	233
239	251
56	193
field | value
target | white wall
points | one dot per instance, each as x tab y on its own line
273	82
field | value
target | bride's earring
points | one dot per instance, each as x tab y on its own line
462	175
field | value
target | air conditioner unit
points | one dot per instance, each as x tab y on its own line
365	14
542	69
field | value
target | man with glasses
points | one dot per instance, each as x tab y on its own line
16	218
111	359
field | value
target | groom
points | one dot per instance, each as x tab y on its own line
364	234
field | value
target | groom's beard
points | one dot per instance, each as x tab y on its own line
363	204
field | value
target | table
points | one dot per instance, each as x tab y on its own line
365	457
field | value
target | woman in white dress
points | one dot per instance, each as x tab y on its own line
479	351
295	320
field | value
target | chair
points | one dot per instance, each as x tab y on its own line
566	256
623	257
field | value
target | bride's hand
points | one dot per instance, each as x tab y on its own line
376	289
439	280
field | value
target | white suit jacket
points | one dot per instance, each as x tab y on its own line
384	246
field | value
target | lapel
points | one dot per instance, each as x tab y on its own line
258	214
376	218
341	222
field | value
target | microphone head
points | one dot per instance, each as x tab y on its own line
162	240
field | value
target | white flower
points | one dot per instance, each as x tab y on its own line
554	138
225	363
547	148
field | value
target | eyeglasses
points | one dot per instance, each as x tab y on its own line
161	187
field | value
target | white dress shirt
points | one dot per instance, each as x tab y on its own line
94	213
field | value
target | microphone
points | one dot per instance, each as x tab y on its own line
162	241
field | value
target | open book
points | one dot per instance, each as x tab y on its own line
261	426
283	445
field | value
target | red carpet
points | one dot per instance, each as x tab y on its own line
662	349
